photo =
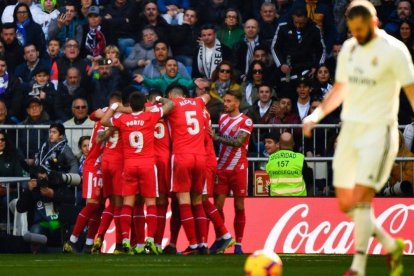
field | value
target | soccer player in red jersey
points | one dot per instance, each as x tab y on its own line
232	168
92	191
188	164
140	173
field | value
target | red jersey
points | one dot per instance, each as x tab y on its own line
93	159
186	122
232	157
211	159
162	137
137	132
113	146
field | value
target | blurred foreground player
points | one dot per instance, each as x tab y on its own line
372	66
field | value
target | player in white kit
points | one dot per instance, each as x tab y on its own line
372	67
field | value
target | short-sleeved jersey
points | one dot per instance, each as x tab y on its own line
231	157
93	159
211	159
374	74
186	123
113	146
137	132
162	143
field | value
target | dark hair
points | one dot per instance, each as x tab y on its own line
411	38
208	26
161	41
137	101
60	128
154	93
15	12
272	135
171	58
8	25
300	12
9	149
239	18
192	9
177	89
81	139
249	75
28	45
235	93
3	58
54	39
359	8
214	76
262	48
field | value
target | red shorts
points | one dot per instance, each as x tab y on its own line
211	178
140	178
188	173
231	180
164	174
112	177
91	184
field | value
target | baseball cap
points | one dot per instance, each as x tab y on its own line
94	10
304	80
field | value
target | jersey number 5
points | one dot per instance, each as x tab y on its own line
193	126
136	140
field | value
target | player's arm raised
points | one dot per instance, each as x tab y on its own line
332	101
167	104
104	135
105	121
236	142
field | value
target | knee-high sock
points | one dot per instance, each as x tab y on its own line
151	220
139	223
364	228
200	223
82	219
175	222
187	221
126	219
161	219
215	217
117	220
93	224
107	216
239	223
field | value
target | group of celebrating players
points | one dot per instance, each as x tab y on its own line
153	149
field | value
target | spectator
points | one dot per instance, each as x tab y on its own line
250	87
281	112
323	82
43	89
30	139
243	51
84	8
403	12
268	22
28	31
183	38
271	142
50	12
117	13
70	58
215	106
261	108
80	118
231	32
13	50
171	76
286	169
405	34
112	53
25	70
4	118
96	35
172	10
102	84
35	10
156	68
298	47
223	80
67	91
53	50
210	53
213	11
303	90
10	91
67	26
143	52
261	53
331	61
83	146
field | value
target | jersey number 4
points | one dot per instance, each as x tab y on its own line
193	126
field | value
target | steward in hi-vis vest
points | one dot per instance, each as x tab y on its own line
285	169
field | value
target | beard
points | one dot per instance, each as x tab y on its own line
368	38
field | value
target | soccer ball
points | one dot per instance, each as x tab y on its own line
263	263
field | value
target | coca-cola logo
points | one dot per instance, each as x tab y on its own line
332	237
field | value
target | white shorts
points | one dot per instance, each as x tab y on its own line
365	154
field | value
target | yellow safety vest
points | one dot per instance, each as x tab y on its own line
285	172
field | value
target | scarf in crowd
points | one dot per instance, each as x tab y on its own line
216	58
251	45
222	87
4	82
95	41
49	153
21	33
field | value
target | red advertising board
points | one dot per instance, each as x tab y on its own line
307	225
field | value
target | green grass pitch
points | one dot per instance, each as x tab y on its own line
294	265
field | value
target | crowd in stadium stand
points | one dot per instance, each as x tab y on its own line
62	59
